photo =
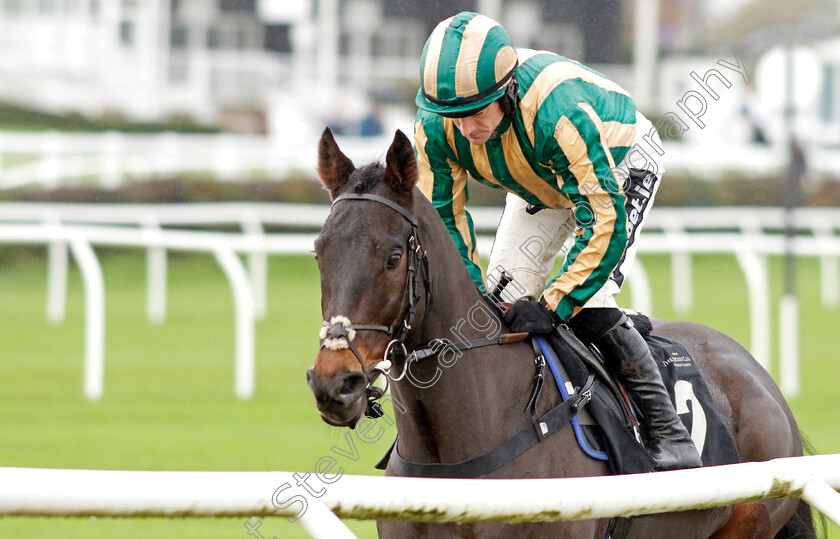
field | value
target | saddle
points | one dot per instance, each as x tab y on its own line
611	428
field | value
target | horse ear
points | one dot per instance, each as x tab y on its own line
333	166
401	165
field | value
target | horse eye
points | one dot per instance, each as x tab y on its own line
393	261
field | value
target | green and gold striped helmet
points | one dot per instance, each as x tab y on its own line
466	64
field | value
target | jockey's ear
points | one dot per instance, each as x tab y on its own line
333	166
400	165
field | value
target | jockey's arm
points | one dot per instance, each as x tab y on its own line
584	171
444	182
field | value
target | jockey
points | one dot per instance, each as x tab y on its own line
579	164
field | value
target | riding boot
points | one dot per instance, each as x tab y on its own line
672	445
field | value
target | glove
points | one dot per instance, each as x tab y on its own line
531	316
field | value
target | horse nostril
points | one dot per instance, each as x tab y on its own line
350	387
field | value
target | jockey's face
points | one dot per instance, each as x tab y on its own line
479	127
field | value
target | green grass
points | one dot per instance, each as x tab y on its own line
169	401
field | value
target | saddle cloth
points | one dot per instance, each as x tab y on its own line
602	428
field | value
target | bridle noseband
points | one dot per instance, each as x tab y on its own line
339	332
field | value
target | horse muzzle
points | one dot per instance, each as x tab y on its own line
341	399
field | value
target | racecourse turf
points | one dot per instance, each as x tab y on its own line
169	402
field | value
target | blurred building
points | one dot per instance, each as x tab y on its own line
288	66
232	60
144	59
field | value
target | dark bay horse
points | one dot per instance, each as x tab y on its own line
377	286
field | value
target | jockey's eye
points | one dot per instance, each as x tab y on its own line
393	261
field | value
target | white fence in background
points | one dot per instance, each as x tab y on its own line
56	159
108	159
46	492
750	234
224	247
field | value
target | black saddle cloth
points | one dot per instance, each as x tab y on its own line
610	437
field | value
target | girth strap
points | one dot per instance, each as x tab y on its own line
500	455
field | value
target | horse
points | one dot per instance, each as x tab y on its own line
392	278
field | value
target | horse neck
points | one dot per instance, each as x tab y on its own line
457	401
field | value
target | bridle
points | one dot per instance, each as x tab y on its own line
338	333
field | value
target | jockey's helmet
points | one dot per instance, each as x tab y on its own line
467	63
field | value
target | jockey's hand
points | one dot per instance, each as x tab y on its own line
531	316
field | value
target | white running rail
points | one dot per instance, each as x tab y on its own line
57	159
61	493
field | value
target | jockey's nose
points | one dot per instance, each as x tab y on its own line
466	126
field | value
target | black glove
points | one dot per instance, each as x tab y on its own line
531	316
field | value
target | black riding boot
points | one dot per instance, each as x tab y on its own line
672	444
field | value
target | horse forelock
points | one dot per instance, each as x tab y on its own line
366	178
371	179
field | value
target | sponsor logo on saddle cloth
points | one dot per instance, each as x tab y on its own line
677	360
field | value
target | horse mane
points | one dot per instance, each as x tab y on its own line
643	324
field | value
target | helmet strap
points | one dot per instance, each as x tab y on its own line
510	99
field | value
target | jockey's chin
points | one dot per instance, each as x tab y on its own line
478	139
479	127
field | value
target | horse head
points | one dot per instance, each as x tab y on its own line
367	255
